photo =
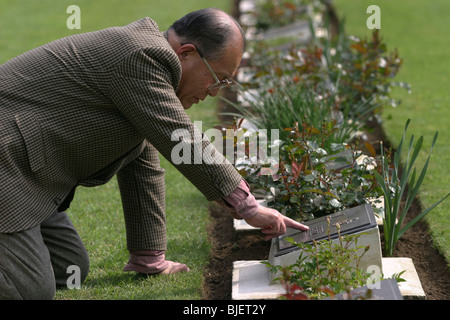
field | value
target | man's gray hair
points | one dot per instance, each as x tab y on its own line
208	31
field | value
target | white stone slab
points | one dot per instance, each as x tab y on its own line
298	29
242	225
377	203
411	289
247	6
252	281
247	20
248	97
245	74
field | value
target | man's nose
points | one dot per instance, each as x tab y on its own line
213	92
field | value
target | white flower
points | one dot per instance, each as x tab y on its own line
367	161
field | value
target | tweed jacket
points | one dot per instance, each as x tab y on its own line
83	108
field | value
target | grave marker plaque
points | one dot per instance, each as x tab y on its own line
351	221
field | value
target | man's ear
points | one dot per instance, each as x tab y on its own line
186	50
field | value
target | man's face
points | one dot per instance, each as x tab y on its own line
196	78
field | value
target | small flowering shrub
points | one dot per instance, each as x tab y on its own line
364	69
356	73
279	13
316	178
324	268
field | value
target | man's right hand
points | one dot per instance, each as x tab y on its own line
273	223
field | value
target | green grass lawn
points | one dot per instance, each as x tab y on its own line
97	212
419	30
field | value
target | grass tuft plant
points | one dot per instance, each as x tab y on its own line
397	185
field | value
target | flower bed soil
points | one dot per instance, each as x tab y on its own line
229	246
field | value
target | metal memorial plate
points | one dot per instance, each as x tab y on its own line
351	220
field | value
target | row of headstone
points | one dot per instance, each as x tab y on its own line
250	279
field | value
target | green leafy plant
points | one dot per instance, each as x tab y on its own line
316	177
365	70
398	185
324	267
354	75
279	106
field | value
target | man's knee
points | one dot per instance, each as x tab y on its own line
84	267
40	289
69	258
74	272
35	287
81	265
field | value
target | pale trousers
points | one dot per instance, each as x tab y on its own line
34	262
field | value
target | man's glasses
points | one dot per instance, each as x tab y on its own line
220	84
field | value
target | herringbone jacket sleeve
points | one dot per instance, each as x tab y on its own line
143	89
142	190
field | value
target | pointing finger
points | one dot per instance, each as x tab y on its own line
294	224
